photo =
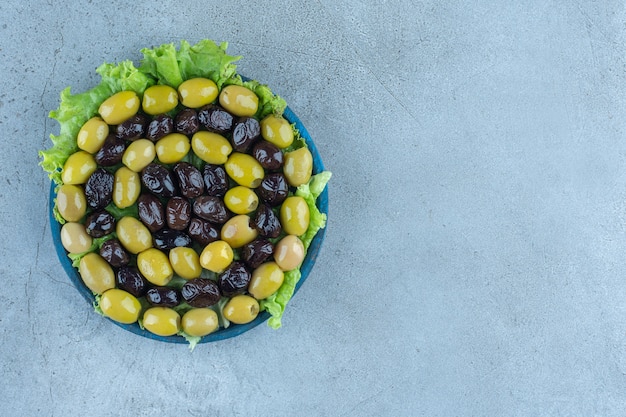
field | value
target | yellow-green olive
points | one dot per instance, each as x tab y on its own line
216	256
212	148
244	169
266	280
155	266
185	262
241	200
162	321
298	166
239	100
172	148
294	215
120	306
126	187
200	322
92	134
119	107
197	92
96	273
139	154
133	234
277	130
75	238
241	309
78	168
71	202
237	231
289	253
159	99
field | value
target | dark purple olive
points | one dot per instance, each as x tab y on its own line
159	181
200	292
266	222
215	180
151	212
160	126
100	223
235	279
246	130
215	119
273	189
186	122
132	128
163	297
111	151
178	213
167	239
269	155
211	208
202	231
190	181
257	252
99	189
129	279
114	253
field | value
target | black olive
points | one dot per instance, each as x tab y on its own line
245	131
235	279
211	208
178	213
203	231
114	253
215	119
169	239
273	189
186	122
159	181
190	181
111	151
257	252
266	222
200	292
215	180
160	126
269	155
163	297
129	279
99	189
132	128
100	223
151	212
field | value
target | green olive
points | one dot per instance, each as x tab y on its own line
75	238
289	253
92	134
241	309
133	234
78	168
241	200
212	148
120	306
172	148
237	231
71	202
162	321
119	107
239	100
139	154
155	266
216	256
185	262
244	169
126	187
277	130
159	99
295	215
197	92
266	280
298	166
200	322
96	273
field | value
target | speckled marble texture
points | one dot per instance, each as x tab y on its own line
474	262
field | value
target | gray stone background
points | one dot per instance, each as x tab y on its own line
474	260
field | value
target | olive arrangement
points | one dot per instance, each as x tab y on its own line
181	205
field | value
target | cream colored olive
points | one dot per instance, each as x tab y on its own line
75	238
239	100
92	134
139	154
133	234
71	202
155	266
289	253
162	321
277	130
216	256
78	168
159	99
212	148
185	262
126	187
200	322
172	148
119	107
298	166
266	280
295	215
197	92
96	273
237	231
241	309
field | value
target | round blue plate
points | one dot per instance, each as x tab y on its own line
234	329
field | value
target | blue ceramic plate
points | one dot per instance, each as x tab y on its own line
234	329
